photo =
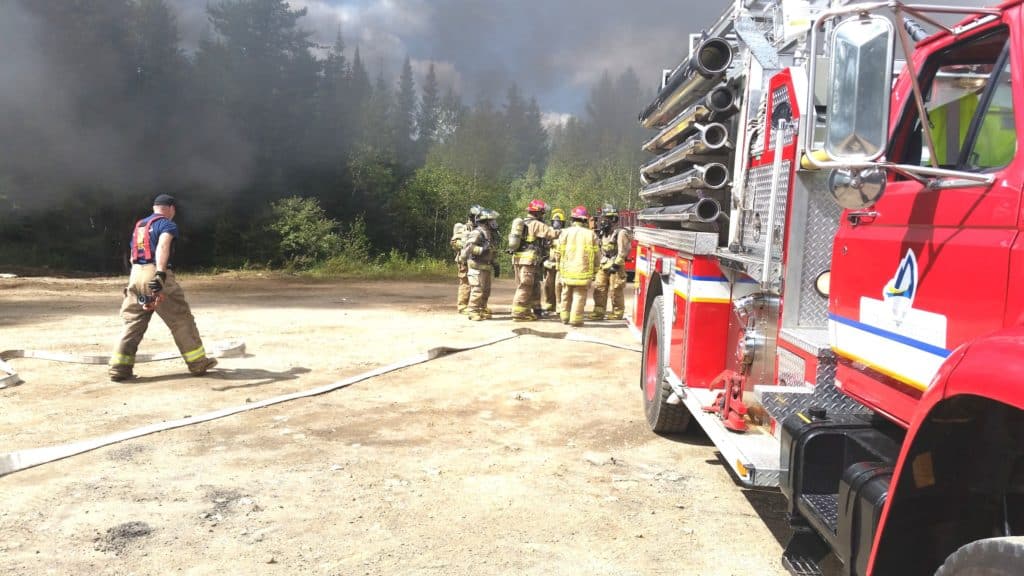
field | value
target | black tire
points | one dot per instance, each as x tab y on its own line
661	416
988	557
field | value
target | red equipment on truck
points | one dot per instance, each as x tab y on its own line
853	331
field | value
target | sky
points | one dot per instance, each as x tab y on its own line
554	49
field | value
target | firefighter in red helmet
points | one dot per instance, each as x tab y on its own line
525	243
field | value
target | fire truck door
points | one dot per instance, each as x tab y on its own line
925	270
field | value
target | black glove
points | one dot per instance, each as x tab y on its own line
157	283
497	270
615	267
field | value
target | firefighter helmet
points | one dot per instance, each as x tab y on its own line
558	214
537	205
474	211
487	214
609	211
580	213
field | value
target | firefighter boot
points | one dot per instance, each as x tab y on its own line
199	367
120	372
477	315
617	315
597	314
486	313
463	309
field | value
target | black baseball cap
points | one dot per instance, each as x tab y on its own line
164	200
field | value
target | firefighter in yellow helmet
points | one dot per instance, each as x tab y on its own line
610	282
479	254
525	240
577	251
458	242
549	288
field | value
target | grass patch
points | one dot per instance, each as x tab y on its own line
393	265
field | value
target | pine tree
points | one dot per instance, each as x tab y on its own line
430	110
405	115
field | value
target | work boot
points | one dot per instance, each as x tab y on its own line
199	367
528	317
576	323
616	316
486	313
564	317
477	315
120	373
596	315
463	309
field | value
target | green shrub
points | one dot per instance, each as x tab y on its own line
307	236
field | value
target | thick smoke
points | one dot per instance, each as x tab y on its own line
70	113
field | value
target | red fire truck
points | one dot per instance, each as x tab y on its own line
830	274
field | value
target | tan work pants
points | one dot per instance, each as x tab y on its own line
574	301
173	310
480	289
613	284
462	300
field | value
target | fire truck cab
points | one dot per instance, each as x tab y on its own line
830	274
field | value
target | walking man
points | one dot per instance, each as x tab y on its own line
577	263
152	288
610	283
524	242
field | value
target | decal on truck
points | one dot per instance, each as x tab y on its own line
891	336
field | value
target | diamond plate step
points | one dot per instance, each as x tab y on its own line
759	46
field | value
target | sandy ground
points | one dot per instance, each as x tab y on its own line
531	456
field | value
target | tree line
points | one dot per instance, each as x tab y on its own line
107	110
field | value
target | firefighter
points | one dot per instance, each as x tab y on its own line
550	290
459	233
152	288
610	282
525	244
479	255
577	253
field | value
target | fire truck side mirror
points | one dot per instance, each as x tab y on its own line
859	88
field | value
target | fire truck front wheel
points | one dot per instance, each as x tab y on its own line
988	557
662	417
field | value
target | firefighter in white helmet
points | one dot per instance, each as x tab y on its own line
610	281
458	242
479	256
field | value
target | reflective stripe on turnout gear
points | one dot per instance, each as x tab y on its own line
122	360
194	355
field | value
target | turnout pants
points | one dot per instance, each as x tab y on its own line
173	310
574	300
610	284
527	296
479	289
462	300
548	294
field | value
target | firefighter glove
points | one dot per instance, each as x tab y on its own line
550	264
157	283
615	267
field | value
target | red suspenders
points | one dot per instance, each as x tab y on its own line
142	246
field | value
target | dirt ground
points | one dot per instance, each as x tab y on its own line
531	456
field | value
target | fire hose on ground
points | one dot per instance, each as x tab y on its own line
19	460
